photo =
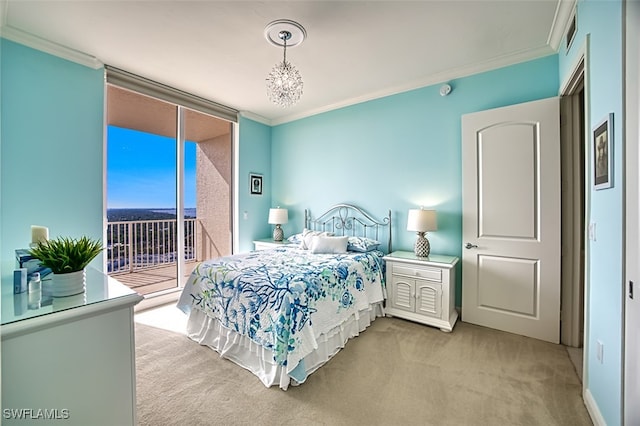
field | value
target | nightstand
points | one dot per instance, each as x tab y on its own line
268	243
422	289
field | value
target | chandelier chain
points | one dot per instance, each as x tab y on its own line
285	38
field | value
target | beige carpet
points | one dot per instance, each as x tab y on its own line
395	373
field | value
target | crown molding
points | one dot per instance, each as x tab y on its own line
564	12
256	117
4	6
49	47
464	71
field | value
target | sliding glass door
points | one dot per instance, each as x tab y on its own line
168	178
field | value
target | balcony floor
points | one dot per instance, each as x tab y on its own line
151	280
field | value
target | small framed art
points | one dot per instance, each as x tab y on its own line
255	184
603	153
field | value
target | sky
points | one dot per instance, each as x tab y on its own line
141	170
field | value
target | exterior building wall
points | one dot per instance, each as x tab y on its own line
213	189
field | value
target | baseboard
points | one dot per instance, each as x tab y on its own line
593	410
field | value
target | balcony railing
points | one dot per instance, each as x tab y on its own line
137	245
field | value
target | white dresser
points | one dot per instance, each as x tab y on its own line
422	289
72	360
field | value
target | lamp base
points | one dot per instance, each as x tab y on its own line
278	233
422	247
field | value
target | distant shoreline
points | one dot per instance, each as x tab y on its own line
131	214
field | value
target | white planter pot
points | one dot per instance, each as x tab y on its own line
68	284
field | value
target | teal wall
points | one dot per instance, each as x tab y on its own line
254	154
601	22
397	153
51	149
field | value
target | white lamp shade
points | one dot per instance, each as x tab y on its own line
421	220
278	216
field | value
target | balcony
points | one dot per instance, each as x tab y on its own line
142	254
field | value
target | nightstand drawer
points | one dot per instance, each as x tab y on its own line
431	274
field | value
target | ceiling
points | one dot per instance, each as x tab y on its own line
354	50
131	110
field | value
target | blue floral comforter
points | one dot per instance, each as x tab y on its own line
284	298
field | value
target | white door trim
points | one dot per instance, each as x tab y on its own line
573	270
582	59
631	224
587	220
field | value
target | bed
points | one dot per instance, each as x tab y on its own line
283	312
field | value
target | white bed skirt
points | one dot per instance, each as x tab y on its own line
247	354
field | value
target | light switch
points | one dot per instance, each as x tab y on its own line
592	231
600	351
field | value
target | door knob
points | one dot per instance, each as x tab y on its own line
470	246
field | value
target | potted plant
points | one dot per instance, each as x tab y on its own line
67	258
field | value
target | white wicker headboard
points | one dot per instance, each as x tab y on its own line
347	219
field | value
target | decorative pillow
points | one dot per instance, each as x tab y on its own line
362	244
326	244
295	238
307	235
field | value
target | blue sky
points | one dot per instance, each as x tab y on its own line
141	170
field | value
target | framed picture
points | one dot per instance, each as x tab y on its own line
603	154
255	184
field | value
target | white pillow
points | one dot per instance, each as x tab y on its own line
307	235
326	244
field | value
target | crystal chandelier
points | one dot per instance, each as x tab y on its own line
284	82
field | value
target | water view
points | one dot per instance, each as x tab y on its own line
142	230
127	214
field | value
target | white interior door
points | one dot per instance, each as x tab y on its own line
511	219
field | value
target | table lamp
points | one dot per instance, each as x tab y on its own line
278	217
422	221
